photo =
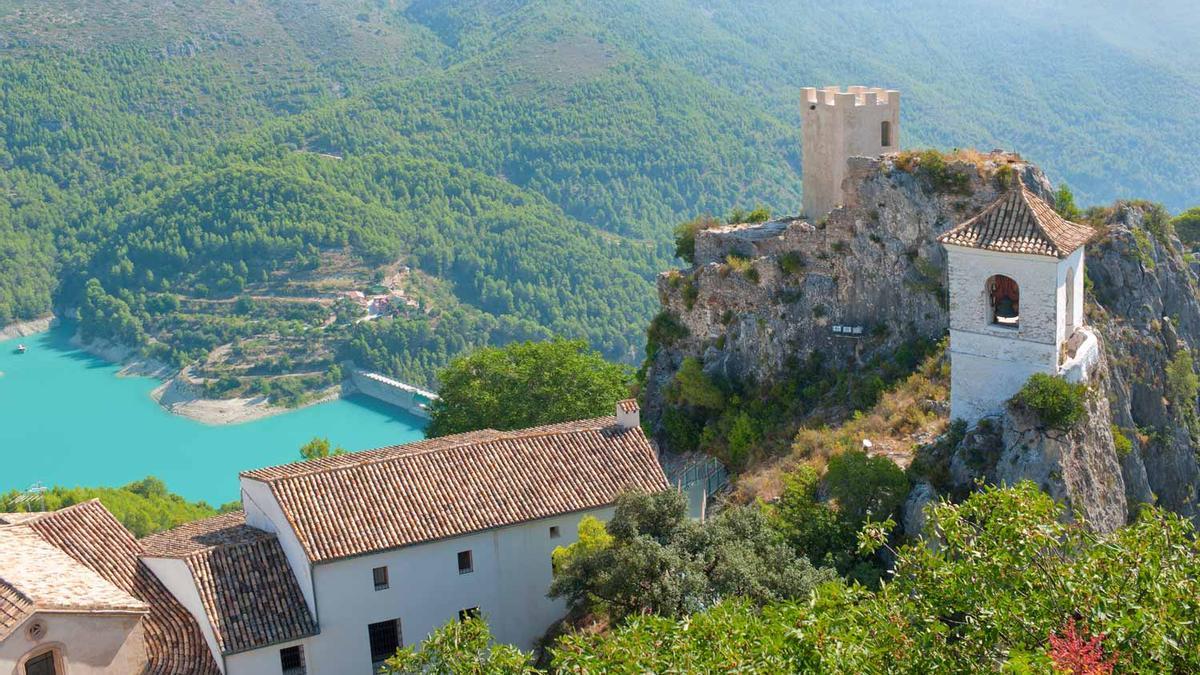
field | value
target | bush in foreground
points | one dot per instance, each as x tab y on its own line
1010	588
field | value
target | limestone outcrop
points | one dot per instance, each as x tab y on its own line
862	282
857	284
1147	313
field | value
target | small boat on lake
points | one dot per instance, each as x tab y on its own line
20	349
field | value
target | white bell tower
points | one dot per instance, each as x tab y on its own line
1015	276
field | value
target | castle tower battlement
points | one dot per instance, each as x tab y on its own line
838	125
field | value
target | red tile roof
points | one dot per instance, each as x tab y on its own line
629	405
1020	222
455	485
51	580
15	608
91	535
247	588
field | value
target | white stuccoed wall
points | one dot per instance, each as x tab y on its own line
512	574
264	661
990	363
90	644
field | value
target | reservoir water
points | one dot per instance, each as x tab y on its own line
66	418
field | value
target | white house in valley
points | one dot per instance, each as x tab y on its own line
1016	278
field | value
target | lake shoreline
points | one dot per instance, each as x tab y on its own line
70	420
180	395
22	329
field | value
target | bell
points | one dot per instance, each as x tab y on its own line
1005	309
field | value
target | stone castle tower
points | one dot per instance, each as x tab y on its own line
836	126
1015	274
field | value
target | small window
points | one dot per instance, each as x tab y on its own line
468	613
44	664
554	533
465	564
381	578
885	133
385	639
291	660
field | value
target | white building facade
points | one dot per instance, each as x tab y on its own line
1016	276
359	554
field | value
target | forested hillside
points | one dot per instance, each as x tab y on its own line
225	171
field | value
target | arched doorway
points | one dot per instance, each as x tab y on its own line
1004	301
885	133
1070	304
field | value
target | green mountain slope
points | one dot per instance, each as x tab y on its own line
526	158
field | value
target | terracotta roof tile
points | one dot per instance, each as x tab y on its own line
91	535
1020	222
53	580
451	486
222	530
247	588
629	405
15	607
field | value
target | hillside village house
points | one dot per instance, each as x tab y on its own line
332	565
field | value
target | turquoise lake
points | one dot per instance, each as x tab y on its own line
66	418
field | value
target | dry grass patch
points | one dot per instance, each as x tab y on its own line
911	413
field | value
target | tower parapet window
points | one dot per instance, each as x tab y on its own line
1004	301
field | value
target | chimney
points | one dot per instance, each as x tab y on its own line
628	414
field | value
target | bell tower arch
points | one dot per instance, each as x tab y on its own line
1015	277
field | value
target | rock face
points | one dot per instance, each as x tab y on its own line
1144	308
760	295
1147	313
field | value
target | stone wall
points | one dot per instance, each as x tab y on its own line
836	126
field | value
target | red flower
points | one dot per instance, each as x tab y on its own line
1072	653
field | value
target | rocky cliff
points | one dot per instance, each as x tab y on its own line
852	286
1138	441
858	285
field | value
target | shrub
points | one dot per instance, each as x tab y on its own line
760	214
1057	403
865	487
1182	385
933	165
1143	248
690	293
685	236
791	262
692	387
1064	203
1187	225
744	266
1005	176
664	330
743	436
1121	442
